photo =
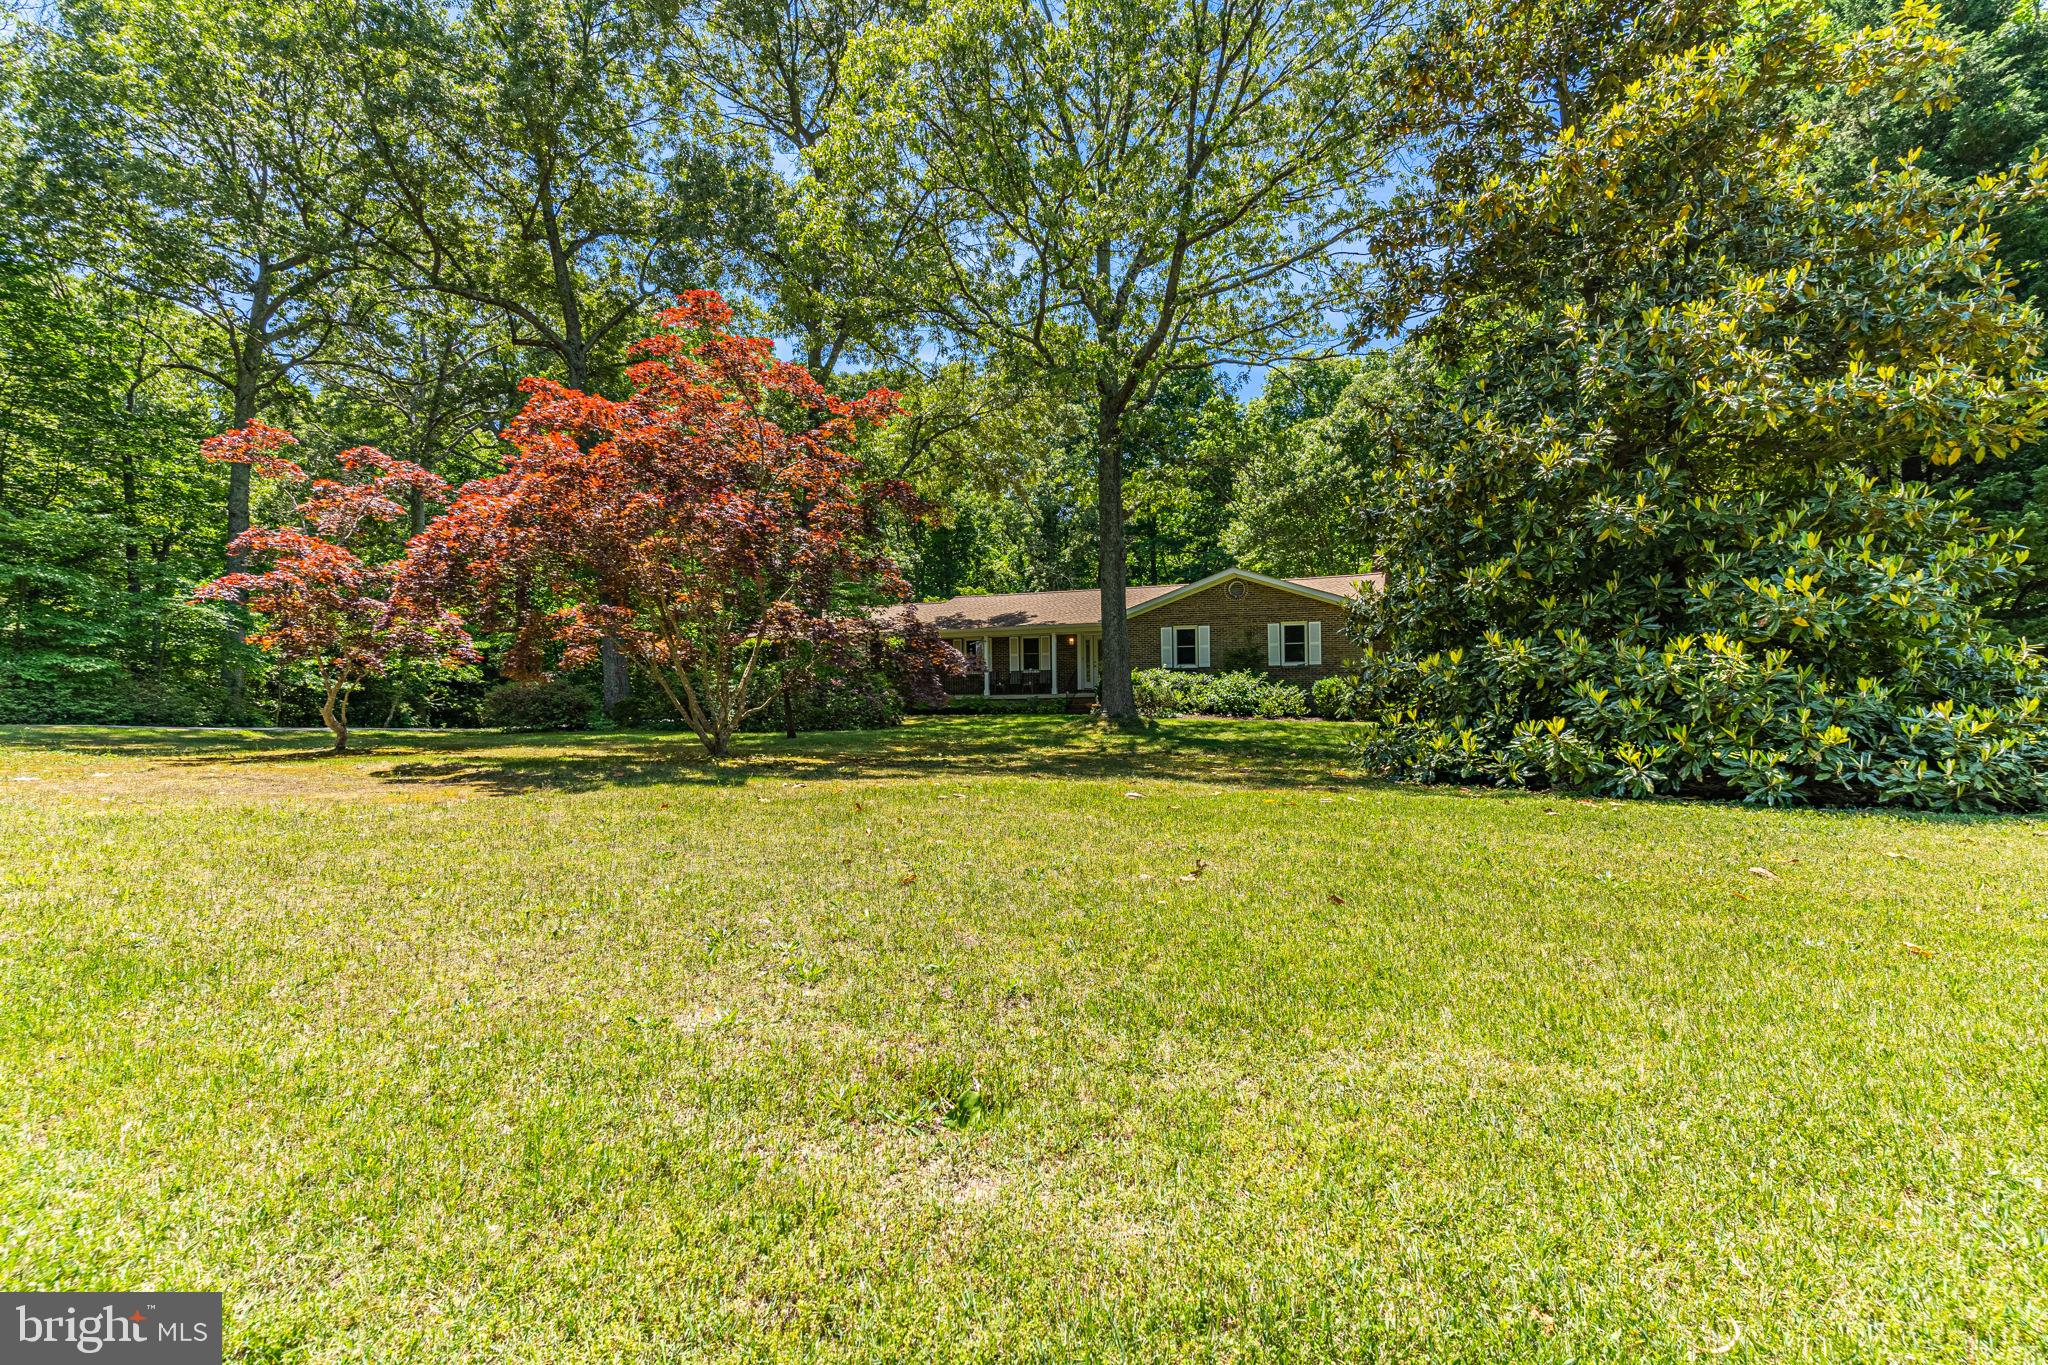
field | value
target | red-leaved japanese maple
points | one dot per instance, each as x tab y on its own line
318	603
714	518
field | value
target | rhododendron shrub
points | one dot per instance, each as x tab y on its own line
711	524
318	603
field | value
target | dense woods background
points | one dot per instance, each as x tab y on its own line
366	222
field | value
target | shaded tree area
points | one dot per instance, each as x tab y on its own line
365	223
106	517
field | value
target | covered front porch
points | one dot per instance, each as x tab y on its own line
1039	662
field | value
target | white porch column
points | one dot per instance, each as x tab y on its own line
1054	638
988	661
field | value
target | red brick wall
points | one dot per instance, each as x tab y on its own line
1237	637
1237	629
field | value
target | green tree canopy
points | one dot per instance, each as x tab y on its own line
1311	444
1092	193
192	155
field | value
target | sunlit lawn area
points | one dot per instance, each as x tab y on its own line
1008	1038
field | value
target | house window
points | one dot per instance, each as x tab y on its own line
972	649
1032	645
1294	642
1185	648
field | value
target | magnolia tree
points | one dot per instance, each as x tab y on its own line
1642	518
716	522
320	605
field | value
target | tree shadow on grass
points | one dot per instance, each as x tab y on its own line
1299	755
926	749
226	743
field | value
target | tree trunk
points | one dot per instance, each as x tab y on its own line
232	679
334	710
131	514
618	685
1119	704
248	377
615	670
718	728
238	508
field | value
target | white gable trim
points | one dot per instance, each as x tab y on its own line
1225	575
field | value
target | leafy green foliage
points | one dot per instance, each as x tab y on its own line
769	80
1998	116
1007	468
548	704
106	516
1169	692
1649	536
1310	444
1181	457
528	158
1334	697
863	701
1839	659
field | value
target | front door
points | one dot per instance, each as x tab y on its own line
1088	663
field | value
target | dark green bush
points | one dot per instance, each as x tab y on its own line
1653	526
843	704
538	706
62	695
646	708
1165	692
47	689
1168	692
153	701
412	696
1334	697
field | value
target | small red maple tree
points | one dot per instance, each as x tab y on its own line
717	514
321	605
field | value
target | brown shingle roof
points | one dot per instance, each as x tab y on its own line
1072	606
1026	610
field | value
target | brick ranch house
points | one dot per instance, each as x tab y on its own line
1051	642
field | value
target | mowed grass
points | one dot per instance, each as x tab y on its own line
1008	1039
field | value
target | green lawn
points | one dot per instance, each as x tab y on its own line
1008	1038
